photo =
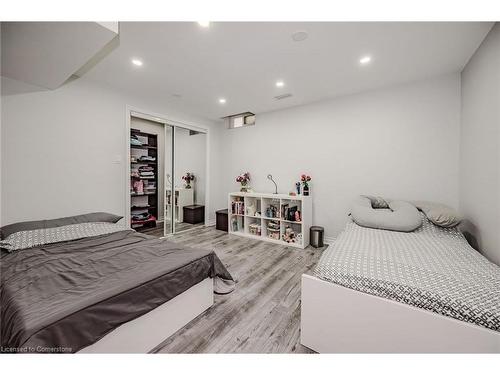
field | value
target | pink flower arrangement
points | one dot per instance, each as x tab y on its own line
188	177
305	179
243	178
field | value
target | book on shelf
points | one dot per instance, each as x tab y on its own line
238	207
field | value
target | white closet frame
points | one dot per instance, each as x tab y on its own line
132	111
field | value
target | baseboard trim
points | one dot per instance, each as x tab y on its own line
210	223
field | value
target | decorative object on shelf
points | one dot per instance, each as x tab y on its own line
270	177
234	224
290	211
273	230
244	179
255	229
251	209
305	183
290	236
188	177
297	186
272	211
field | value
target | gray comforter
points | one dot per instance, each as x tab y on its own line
65	296
431	268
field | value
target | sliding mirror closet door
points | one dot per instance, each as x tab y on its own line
190	178
168	152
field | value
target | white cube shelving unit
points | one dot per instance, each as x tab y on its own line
244	220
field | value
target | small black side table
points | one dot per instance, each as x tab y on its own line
221	220
194	214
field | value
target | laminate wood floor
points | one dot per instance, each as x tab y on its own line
179	227
263	314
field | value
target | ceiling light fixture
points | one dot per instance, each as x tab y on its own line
222	101
204	23
280	84
137	62
299	36
365	60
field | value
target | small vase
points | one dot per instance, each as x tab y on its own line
244	188
188	185
305	190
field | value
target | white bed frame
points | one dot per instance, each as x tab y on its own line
146	332
336	319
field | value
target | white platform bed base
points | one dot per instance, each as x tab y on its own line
336	319
146	332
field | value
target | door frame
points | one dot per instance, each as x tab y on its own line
165	120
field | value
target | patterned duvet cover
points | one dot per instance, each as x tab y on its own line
432	268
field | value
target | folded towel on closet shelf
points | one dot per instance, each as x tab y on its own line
147	158
135	142
141	216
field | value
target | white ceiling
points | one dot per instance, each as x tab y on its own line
242	61
46	54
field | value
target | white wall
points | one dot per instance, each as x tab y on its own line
480	147
63	150
400	142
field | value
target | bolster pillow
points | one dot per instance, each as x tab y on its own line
400	216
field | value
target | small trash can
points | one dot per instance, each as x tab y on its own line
316	234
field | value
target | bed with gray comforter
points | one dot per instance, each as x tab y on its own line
432	268
64	296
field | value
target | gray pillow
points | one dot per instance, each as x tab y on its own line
439	214
401	216
94	217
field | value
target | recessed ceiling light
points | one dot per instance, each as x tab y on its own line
204	23
222	101
137	62
365	60
299	36
280	84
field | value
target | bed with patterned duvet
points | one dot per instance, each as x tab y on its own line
431	268
65	283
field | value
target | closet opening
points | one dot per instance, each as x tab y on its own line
166	175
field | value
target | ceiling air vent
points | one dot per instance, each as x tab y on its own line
284	96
